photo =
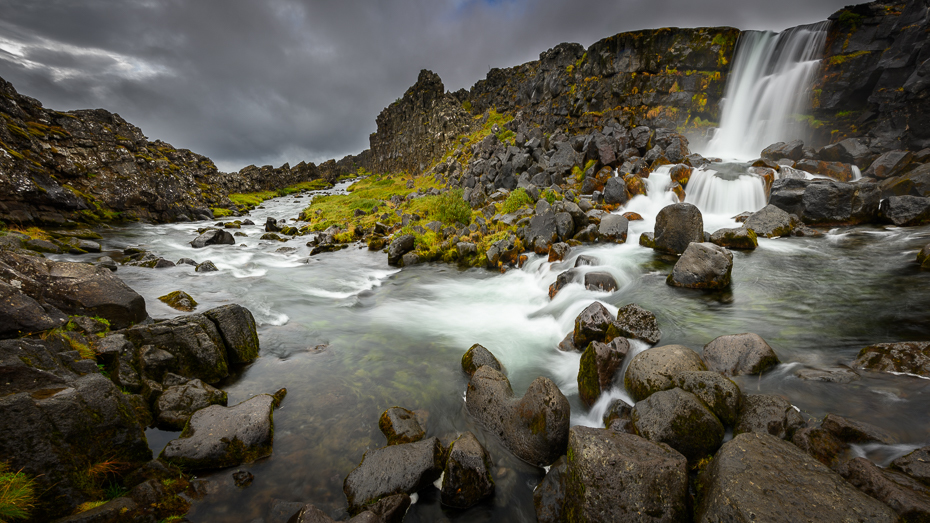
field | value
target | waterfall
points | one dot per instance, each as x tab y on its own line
712	193
766	90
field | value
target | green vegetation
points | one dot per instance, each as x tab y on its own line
843	58
850	20
517	199
249	201
17	494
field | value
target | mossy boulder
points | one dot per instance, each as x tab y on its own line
768	414
194	342
720	394
681	420
771	222
656	369
591	324
176	404
635	323
907	357
736	238
400	425
466	478
395	469
736	354
179	300
218	437
534	427
599	363
476	356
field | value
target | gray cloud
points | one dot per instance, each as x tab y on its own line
290	80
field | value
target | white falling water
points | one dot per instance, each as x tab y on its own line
767	87
715	195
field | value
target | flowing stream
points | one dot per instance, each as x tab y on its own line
349	336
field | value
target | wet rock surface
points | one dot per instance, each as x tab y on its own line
702	266
635	322
476	356
907	357
656	369
677	226
400	425
680	420
466	478
721	395
600	362
176	404
737	354
395	469
768	414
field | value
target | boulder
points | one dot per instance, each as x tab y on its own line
768	414
591	324
680	420
399	247
702	266
599	363
635	323
915	182
400	426
176	404
600	281
656	369
905	211
792	150
837	170
615	191
678	225
819	443
771	222
549	495
534	427
906	496
613	228
194	343
396	469
680	174
720	394
852	431
916	464
850	150
586	260
619	417
563	279
558	251
236	326
23	315
218	437
206	266
476	356
923	256
213	237
71	288
827	202
737	354
544	228
613	476
466	478
906	357
179	300
757	474
891	163
735	238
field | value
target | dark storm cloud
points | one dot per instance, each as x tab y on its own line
289	80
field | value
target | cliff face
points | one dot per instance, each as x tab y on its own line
875	74
268	178
92	165
662	78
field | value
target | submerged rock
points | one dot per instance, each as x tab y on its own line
736	354
656	369
906	357
702	266
179	300
396	469
534	427
758	474
466	479
218	437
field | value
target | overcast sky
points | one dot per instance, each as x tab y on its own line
264	82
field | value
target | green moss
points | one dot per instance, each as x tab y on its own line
220	212
849	20
843	58
515	200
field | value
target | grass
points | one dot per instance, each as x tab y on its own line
517	199
254	199
34	233
17	494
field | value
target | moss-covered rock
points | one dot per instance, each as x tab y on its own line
655	369
735	238
400	426
720	394
909	357
599	363
681	420
476	356
466	478
179	300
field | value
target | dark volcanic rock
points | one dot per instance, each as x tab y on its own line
656	369
906	496
635	322
702	266
395	469
889	164
466	479
621	477
613	228
549	495
826	202
534	427
737	354
681	420
477	356
236	326
219	437
213	237
916	464
399	426
735	238
176	404
819	443
771	222
24	315
905	211
720	394
757	474
194	342
768	414
399	247
911	358
599	363
600	281
678	225
591	324
852	431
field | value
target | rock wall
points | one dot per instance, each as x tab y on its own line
662	78
267	178
874	76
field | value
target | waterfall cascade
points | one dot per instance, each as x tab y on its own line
767	88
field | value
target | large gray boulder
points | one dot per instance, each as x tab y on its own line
702	266
71	288
720	394
236	326
681	420
737	354
905	211
757	476
218	437
534	427
476	356
599	363
213	237
905	495
466	478
23	315
907	357
193	341
176	404
400	246
612	476
827	202
390	470
615	191
655	369
771	222
768	414
635	323
678	225
591	324
613	228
